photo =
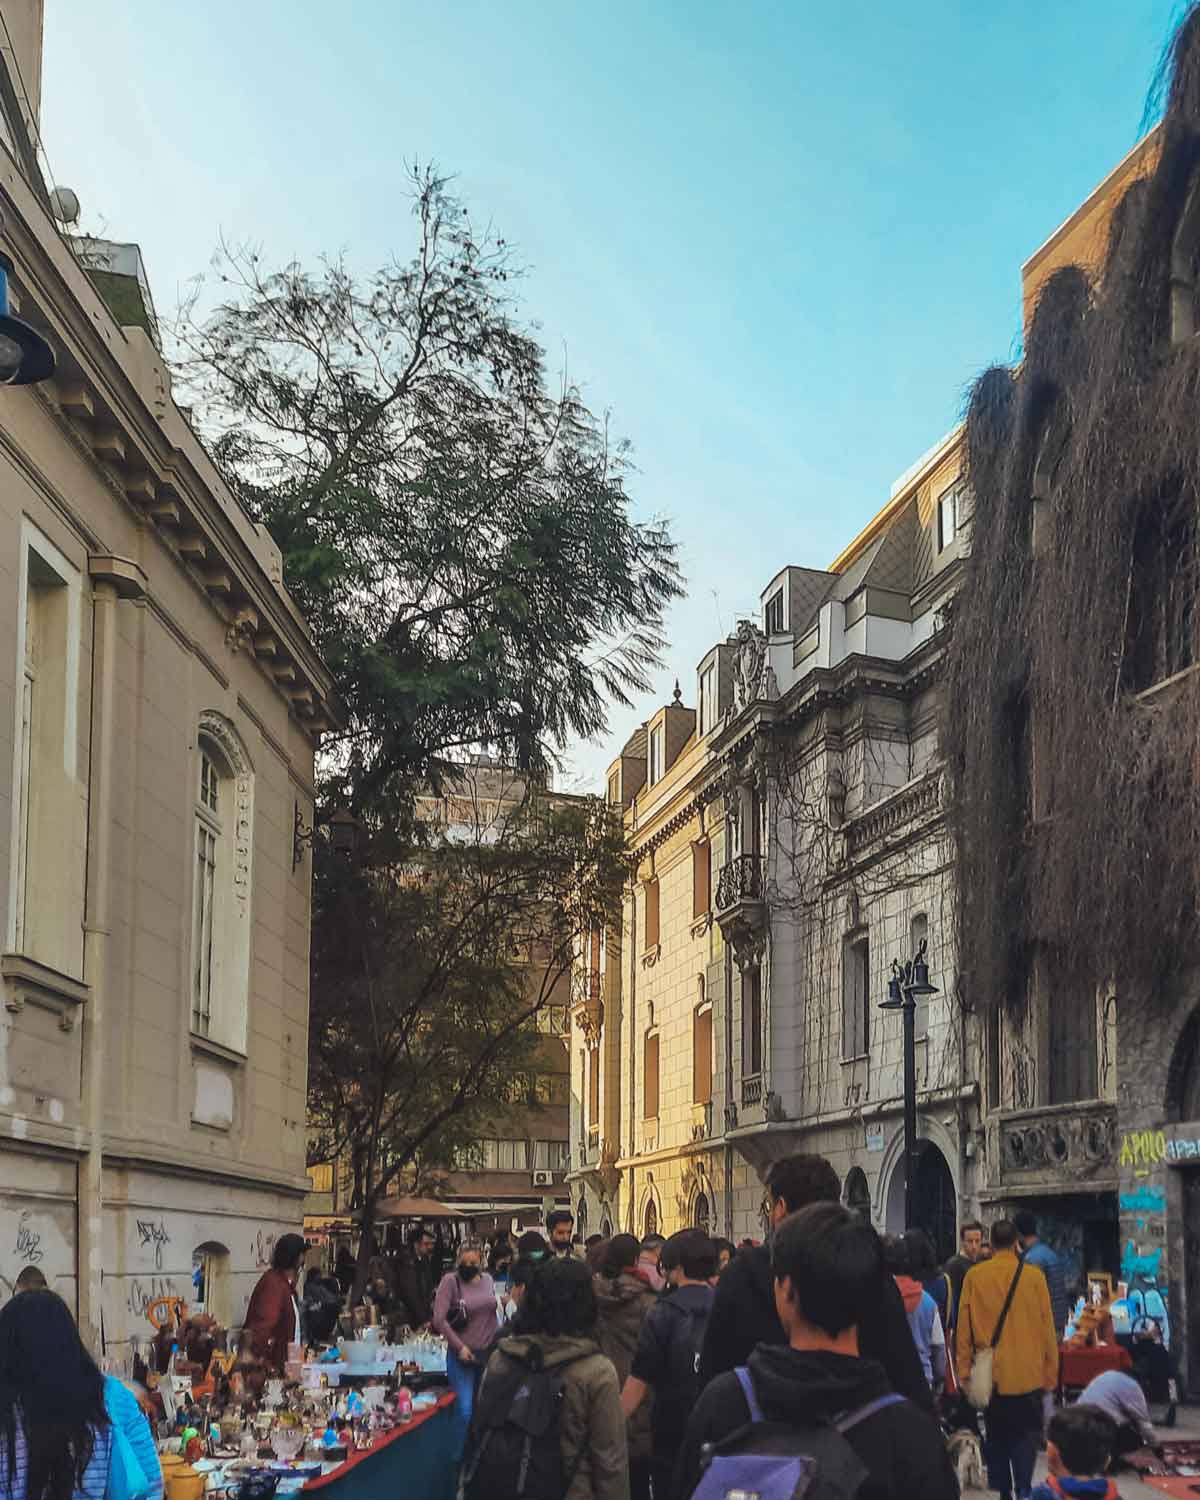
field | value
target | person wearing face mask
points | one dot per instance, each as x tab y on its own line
464	1313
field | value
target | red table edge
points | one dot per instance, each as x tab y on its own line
378	1446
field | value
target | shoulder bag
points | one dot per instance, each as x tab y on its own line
980	1384
457	1314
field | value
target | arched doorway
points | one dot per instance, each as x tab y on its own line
934	1202
210	1280
857	1193
650	1219
701	1213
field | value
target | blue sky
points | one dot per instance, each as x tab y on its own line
775	241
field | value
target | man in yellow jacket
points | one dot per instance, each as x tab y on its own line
1025	1361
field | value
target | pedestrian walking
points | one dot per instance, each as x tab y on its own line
549	1366
868	1441
744	1312
1006	1328
559	1226
624	1297
464	1313
667	1359
924	1321
1035	1252
970	1243
273	1320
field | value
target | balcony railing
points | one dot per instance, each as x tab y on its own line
752	1089
1076	1140
740	880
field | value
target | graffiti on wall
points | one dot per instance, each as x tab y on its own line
1143	1149
150	1233
28	1245
1143	1207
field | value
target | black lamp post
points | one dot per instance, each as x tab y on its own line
25	356
909	981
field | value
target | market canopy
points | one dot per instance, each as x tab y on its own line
414	1208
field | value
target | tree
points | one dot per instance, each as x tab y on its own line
429	975
458	535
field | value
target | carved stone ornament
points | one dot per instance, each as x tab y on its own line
749	665
241	631
1080	1144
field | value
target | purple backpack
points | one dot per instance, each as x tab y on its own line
780	1461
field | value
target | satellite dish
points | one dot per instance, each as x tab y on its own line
64	205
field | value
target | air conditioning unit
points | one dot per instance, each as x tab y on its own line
543	1179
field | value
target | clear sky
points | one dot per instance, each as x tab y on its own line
775	240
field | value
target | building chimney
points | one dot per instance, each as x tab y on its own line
23	22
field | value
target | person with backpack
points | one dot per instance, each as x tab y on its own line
548	1422
1007	1357
667	1360
464	1313
814	1408
744	1313
625	1297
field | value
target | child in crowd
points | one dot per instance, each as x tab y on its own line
1079	1447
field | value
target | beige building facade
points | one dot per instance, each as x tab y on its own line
161	706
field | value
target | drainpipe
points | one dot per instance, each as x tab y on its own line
113	579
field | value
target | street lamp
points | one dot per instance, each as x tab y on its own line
909	981
25	356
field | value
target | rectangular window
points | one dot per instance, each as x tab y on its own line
701	878
614	789
947	517
48	847
918	933
702	1065
773	614
1072	1015
752	1022
202	927
708	698
593	1109
1161	630
651	890
655	768
320	1177
856	997
650	1076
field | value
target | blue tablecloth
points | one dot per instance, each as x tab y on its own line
420	1459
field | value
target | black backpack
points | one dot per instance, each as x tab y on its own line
514	1452
684	1342
779	1461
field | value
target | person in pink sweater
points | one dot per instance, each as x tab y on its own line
464	1313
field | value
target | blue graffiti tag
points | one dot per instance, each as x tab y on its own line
1134	1264
1145	1200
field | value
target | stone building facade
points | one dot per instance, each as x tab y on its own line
162	706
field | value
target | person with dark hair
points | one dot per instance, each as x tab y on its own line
532	1246
592	1240
624	1296
321	1306
667	1359
29	1279
900	1256
726	1250
559	1226
273	1314
1079	1448
465	1314
970	1243
1035	1252
60	1419
744	1313
596	1254
826	1266
1008	1312
550	1355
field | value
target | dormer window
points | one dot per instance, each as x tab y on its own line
654	767
708	699
773	614
948	516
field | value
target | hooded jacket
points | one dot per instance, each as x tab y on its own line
624	1303
744	1315
591	1425
1069	1488
902	1449
921	1311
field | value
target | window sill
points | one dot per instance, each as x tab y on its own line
857	1057
28	982
651	956
205	1044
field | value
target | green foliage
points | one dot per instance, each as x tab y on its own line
457	533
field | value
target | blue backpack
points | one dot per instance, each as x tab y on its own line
779	1461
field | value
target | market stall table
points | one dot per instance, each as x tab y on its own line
1081	1363
419	1459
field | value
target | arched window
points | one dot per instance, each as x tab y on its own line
701	1213
581	1218
857	1193
222	846
651	1218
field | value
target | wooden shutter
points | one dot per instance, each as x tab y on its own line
651	914
650	1088
702	1056
701	878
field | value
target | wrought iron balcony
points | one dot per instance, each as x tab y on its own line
740	880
